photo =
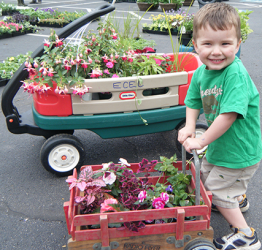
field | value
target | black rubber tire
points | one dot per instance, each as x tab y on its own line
50	133
58	146
200	244
200	128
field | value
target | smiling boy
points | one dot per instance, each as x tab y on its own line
224	89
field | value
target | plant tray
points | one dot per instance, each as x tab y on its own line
153	236
158	32
3	82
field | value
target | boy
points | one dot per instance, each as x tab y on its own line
223	88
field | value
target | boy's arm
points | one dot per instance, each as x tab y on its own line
190	128
220	125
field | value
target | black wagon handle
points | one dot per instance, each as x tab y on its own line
15	83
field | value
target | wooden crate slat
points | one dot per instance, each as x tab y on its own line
95	234
180	224
148	214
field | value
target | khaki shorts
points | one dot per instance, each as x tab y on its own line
226	184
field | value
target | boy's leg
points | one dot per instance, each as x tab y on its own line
226	185
233	216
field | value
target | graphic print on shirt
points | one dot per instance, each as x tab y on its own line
210	102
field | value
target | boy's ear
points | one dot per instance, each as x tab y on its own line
238	45
195	45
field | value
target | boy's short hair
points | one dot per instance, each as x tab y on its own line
219	16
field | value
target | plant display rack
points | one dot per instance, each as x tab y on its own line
174	235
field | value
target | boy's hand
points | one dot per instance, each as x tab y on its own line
193	143
184	133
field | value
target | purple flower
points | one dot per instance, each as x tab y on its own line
169	189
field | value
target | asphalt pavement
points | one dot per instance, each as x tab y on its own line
31	199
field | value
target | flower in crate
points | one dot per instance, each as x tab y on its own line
142	196
106	205
158	203
109	178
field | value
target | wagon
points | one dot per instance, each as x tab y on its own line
180	234
56	117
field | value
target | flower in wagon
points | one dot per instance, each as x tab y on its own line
105	206
109	178
158	203
123	162
142	196
96	73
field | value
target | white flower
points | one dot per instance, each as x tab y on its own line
105	166
124	162
109	178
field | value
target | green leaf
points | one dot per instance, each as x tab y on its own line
139	101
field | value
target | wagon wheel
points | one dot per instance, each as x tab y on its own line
200	244
61	153
200	129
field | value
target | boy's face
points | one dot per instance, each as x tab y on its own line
216	48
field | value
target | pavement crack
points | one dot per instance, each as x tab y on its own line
8	211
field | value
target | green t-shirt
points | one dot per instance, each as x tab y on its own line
229	90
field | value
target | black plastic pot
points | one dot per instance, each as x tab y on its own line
204	2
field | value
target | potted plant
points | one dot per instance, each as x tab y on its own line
186	30
188	2
245	28
145	5
170	4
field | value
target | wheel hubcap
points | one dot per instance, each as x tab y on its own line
63	158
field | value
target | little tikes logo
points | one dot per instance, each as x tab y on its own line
127	95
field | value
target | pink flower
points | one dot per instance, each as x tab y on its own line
93	38
50	72
106	71
105	206
88	51
158	203
110	65
142	196
58	42
67	67
164	197
109	178
115	76
96	73
84	64
158	61
35	65
130	59
124	57
46	43
105	58
114	36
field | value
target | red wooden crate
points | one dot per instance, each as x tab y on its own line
104	235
